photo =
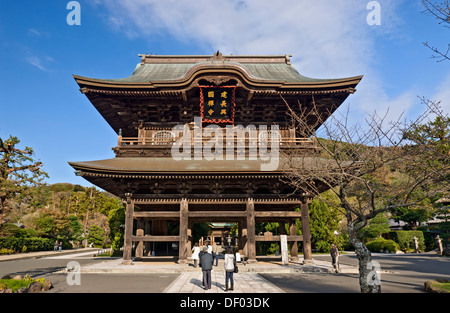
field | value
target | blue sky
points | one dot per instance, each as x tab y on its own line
39	52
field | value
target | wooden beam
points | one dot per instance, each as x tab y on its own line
258	214
157	214
200	199
277	238
156	238
286	214
217	214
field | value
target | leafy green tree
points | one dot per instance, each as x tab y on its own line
200	230
430	144
415	215
18	171
355	164
75	229
116	221
53	224
96	236
376	227
324	222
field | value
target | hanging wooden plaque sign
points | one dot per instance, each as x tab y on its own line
217	104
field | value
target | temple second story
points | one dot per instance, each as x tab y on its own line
174	100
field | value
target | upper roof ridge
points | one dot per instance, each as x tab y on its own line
218	56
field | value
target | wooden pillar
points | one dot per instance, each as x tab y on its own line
282	225
241	241
245	238
147	244
189	239
251	240
128	230
159	228
140	245
307	254
182	258
294	244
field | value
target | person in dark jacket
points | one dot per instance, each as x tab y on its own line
206	263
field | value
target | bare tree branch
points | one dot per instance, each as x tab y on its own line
441	11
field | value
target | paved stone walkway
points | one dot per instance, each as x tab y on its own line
191	282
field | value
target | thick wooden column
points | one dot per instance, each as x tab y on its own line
159	228
241	241
189	239
282	227
148	228
307	254
183	244
128	230
140	245
251	240
245	240
294	244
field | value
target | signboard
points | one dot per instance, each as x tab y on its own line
284	250
217	104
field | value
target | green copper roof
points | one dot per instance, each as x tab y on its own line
161	72
167	68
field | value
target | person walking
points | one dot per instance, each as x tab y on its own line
206	263
230	265
60	246
334	257
215	253
55	247
208	245
195	254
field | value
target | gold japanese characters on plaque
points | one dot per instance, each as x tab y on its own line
217	104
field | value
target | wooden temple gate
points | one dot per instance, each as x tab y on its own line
227	92
246	218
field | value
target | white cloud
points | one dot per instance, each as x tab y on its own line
40	63
321	35
34	60
33	31
443	94
328	39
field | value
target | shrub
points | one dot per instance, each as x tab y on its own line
4	251
96	236
13	284
26	244
381	244
323	246
404	238
274	247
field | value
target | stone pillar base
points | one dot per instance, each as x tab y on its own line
127	262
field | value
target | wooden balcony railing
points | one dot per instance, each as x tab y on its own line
168	142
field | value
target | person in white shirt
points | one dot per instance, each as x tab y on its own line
230	264
195	253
